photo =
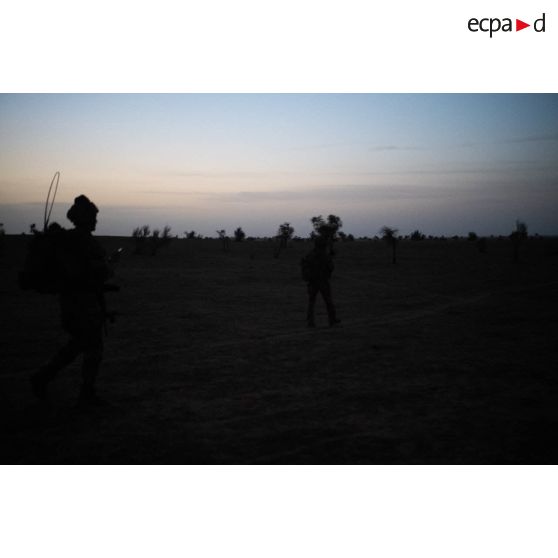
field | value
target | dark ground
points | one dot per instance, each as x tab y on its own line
450	356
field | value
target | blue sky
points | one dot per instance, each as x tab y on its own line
442	163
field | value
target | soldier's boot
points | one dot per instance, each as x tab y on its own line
310	322
90	369
332	315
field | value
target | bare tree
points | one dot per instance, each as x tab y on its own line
225	241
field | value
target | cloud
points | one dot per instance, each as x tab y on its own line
395	148
326	193
169	192
347	193
333	145
223	174
359	144
508	141
534	138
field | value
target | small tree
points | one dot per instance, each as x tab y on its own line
472	236
389	235
225	243
517	237
284	233
140	236
326	228
417	235
239	234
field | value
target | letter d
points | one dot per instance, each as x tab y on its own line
535	25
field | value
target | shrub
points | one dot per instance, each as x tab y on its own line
417	235
147	241
239	235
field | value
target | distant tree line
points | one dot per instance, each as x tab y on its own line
328	228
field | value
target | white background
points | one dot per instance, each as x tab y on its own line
277	512
273	46
287	46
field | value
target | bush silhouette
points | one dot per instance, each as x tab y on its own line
239	235
147	241
284	233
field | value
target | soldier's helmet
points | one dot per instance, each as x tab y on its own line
83	213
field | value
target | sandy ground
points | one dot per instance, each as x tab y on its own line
450	356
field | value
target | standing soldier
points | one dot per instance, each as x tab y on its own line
83	271
317	267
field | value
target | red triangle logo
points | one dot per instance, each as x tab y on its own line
519	25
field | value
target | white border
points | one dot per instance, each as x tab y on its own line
288	46
272	46
278	511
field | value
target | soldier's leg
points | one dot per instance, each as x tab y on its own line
92	344
312	293
325	289
60	360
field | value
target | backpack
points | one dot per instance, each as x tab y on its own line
310	267
306	268
42	271
316	266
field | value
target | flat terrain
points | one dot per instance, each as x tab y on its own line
449	356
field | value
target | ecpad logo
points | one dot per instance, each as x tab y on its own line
493	25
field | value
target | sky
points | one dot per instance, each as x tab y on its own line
444	164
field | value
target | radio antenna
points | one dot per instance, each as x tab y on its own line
48	209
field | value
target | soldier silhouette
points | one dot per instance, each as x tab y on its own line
317	267
83	272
